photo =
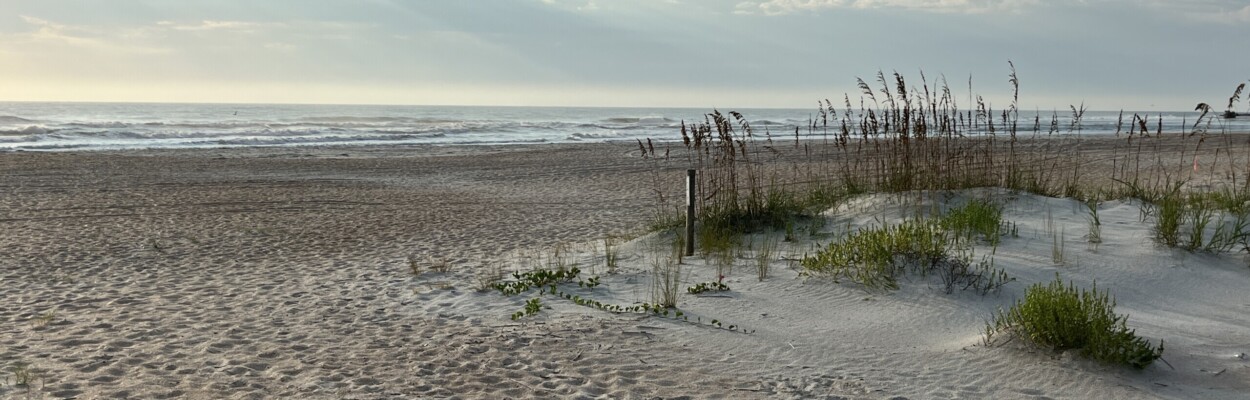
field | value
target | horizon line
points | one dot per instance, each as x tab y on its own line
478	105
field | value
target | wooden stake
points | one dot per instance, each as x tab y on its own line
690	197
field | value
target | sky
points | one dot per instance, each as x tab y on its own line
1115	54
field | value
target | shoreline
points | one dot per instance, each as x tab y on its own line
666	138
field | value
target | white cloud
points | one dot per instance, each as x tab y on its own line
51	33
778	7
588	5
211	25
1225	16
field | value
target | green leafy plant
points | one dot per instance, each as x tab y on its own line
532	307
707	287
591	283
550	279
1064	317
537	279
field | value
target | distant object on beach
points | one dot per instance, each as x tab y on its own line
1230	114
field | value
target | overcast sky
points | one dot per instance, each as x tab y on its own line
1137	55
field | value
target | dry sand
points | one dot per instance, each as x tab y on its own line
284	273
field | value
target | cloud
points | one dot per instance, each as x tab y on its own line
211	25
263	30
588	5
51	33
1237	16
780	7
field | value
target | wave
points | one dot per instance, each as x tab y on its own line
10	119
639	120
361	124
30	130
129	126
371	120
579	136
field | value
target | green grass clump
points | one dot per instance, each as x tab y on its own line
1182	219
977	217
666	220
874	257
1063	317
1170	210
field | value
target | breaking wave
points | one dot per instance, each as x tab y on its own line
100	126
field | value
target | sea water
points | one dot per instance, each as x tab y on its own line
107	126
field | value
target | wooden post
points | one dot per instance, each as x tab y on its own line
690	197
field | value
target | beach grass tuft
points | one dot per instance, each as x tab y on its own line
22	374
877	256
978	218
665	280
1063	317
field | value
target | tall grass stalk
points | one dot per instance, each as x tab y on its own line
611	254
765	254
1095	224
665	281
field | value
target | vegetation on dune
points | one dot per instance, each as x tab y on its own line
900	138
1066	318
876	256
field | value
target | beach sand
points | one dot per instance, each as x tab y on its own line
285	273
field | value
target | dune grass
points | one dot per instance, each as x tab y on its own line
877	256
919	138
902	137
897	137
1063	317
978	218
21	374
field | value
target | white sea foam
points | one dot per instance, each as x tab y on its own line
98	126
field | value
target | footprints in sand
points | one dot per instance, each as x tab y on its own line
233	283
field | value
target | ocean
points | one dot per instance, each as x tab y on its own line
38	126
